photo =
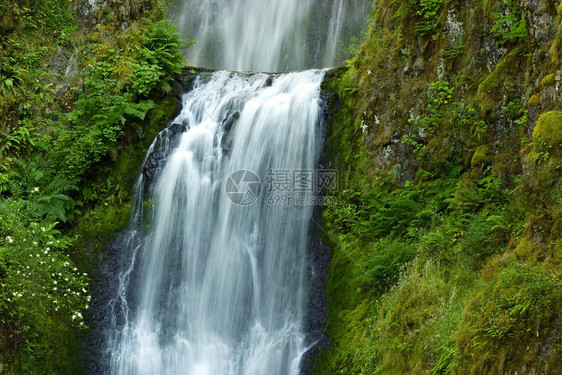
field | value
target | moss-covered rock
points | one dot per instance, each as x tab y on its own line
548	80
534	100
481	156
549	131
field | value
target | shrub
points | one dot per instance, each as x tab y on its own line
39	285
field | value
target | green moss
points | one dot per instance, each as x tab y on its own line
524	249
94	37
481	156
491	89
534	100
548	80
549	130
99	224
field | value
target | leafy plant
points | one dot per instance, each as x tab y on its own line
453	52
384	265
446	116
429	11
509	26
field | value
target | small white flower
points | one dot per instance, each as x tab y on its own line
9	239
35	189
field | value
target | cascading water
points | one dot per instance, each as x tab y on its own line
269	35
221	282
215	276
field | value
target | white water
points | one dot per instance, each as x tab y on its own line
210	287
269	35
220	288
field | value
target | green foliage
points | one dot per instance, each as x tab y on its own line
384	265
393	213
414	262
163	46
38	281
513	109
509	27
447	117
453	52
429	11
516	307
55	151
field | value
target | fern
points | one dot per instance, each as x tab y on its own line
54	206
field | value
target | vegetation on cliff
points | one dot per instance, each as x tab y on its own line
81	88
446	236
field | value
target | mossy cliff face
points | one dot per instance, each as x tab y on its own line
446	234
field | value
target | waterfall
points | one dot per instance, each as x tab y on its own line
269	35
220	280
216	273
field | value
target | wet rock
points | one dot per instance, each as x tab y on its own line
317	316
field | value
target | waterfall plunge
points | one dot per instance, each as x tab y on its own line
220	286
